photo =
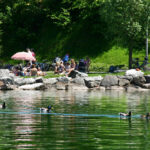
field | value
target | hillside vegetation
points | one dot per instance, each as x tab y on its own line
104	30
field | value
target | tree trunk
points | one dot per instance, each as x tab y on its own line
130	57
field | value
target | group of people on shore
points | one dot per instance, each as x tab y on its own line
65	66
61	66
30	68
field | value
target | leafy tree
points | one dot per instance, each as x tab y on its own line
4	16
125	19
62	18
21	23
1	15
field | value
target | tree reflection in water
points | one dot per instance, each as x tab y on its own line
22	125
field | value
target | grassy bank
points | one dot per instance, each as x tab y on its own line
114	56
50	74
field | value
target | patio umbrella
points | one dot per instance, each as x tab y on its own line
23	56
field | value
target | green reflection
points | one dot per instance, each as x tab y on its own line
45	131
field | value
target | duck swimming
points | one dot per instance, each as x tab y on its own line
147	116
125	114
46	110
3	106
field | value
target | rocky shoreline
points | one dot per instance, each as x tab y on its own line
132	80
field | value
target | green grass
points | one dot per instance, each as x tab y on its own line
104	74
147	73
114	56
51	74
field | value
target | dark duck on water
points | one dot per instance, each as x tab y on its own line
147	116
46	110
125	114
3	106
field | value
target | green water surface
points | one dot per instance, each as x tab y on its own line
80	120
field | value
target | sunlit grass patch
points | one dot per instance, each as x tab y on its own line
51	74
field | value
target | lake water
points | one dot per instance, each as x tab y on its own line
80	120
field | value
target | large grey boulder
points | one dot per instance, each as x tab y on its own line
22	81
129	78
139	80
76	73
64	79
12	75
7	86
7	83
29	80
4	73
7	80
98	78
109	80
19	81
92	82
39	80
78	81
35	86
50	81
134	73
147	78
123	82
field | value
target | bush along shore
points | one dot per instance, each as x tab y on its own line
132	80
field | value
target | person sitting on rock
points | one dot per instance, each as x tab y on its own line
40	72
67	68
26	69
33	71
66	58
56	71
72	66
59	68
18	71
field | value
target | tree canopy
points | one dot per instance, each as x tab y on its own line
128	20
23	22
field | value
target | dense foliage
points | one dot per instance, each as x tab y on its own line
78	27
128	20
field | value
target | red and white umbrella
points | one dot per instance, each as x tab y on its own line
23	56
